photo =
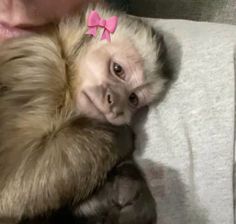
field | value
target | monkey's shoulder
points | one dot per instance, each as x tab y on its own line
31	58
33	67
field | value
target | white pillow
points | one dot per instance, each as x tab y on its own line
186	143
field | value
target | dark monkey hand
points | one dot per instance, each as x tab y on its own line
125	199
131	199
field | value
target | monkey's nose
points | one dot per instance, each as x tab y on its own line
110	99
114	104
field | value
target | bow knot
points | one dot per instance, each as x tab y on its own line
102	23
95	21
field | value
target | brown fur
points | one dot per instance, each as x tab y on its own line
47	152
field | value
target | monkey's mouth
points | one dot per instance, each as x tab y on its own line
94	106
96	112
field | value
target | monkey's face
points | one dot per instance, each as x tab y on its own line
112	86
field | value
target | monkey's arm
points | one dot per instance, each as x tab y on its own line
40	173
46	155
125	198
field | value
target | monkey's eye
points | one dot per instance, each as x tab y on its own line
133	99
118	70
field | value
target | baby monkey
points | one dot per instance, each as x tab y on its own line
66	99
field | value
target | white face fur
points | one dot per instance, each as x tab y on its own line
112	84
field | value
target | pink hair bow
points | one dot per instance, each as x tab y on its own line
95	21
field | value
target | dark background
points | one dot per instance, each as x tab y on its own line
221	11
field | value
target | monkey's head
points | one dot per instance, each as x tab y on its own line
119	77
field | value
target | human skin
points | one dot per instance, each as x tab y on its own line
21	17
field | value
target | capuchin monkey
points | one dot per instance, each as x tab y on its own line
66	102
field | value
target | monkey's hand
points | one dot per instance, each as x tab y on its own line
132	202
125	199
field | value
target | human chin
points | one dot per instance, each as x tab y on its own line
7	32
